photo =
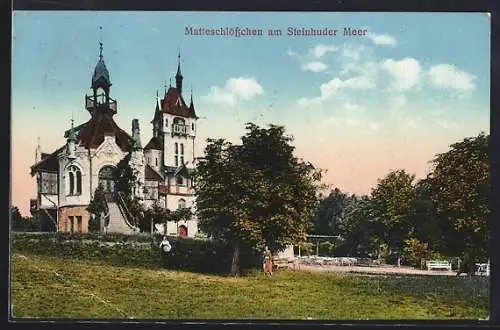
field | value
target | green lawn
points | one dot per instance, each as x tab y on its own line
60	288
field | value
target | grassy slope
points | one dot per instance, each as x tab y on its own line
89	290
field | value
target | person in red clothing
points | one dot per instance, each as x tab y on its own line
268	263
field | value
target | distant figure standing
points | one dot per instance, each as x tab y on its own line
165	245
268	264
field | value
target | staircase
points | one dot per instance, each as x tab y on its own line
117	221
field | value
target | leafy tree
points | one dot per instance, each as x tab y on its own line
98	203
96	207
125	178
181	214
330	213
256	194
358	229
415	251
156	213
136	210
16	218
20	223
460	189
391	203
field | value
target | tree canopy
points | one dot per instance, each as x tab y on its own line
256	194
445	213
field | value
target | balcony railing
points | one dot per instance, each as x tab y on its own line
92	103
180	129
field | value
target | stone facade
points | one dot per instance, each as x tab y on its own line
73	219
68	177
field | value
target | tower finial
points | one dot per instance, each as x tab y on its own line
100	42
38	151
179	74
72	135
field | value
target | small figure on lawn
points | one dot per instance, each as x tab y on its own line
165	245
268	263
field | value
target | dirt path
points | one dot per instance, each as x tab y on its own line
372	270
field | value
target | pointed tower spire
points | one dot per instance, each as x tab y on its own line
191	105
157	101
38	151
72	135
178	76
165	86
179	64
71	144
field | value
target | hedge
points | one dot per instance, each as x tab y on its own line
187	254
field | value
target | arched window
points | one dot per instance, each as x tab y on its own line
176	154
182	153
107	179
74	180
182	203
192	126
78	183
101	94
71	183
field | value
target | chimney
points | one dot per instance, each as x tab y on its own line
136	134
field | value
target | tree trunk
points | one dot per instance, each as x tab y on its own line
235	264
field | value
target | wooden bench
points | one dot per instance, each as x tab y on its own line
438	264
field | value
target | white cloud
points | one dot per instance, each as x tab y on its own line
291	53
235	89
321	49
351	115
405	73
314	66
308	102
246	88
449	77
382	39
353	52
220	96
329	88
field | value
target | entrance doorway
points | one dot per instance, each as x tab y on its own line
107	180
182	231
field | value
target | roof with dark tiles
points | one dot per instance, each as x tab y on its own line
151	175
173	103
91	134
49	162
154	144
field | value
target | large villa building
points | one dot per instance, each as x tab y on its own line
68	177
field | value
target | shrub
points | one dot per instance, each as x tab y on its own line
306	249
94	224
326	249
415	253
203	256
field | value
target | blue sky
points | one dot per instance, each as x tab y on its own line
394	98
